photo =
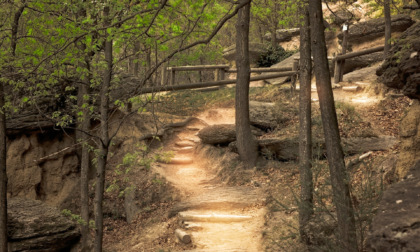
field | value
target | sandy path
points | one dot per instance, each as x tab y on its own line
213	207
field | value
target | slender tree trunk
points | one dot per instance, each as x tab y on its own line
247	146
339	177
3	174
104	141
387	12
136	58
274	37
305	132
84	126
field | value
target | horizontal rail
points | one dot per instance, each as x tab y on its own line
359	53
263	69
197	68
212	83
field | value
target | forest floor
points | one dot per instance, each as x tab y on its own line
227	208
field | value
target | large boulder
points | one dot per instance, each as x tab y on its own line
375	28
396	227
341	16
222	133
34	226
283	35
255	52
401	70
218	134
362	61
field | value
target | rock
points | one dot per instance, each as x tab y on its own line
285	63
283	35
42	165
218	134
341	16
262	114
34	226
401	70
367	74
288	148
410	140
222	133
396	227
387	168
363	61
357	145
255	51
375	28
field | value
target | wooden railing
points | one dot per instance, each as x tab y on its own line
341	58
221	70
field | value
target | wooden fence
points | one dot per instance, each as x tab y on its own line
221	70
341	58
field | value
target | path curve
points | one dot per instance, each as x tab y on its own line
216	216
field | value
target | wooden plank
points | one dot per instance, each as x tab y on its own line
359	53
198	67
351	88
210	83
263	69
213	217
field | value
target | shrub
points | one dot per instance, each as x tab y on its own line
273	56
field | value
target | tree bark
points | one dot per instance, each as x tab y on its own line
247	146
84	126
339	178
305	132
104	139
387	13
3	174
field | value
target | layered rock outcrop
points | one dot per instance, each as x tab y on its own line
397	225
401	70
375	28
34	226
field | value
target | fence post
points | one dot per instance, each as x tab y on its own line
344	49
295	68
162	80
216	75
172	76
337	70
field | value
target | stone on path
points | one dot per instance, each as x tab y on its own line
181	160
187	149
184	144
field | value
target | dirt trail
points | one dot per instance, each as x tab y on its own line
218	217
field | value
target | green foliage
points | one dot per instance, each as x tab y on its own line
273	56
74	217
139	159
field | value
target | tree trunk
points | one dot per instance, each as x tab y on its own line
339	177
273	37
247	146
3	174
136	58
387	13
104	139
305	132
84	126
